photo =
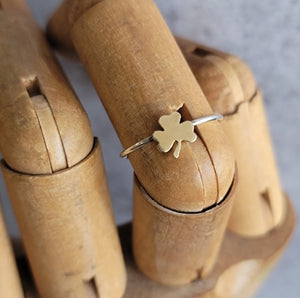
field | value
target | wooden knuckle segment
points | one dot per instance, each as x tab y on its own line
259	205
85	255
176	248
10	284
225	79
230	87
140	75
43	125
53	170
60	25
239	257
267	171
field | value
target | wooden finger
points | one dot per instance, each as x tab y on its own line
231	90
10	284
54	173
137	84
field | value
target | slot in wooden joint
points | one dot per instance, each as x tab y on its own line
91	288
198	275
268	208
48	126
32	86
201	52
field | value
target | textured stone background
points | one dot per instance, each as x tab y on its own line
266	34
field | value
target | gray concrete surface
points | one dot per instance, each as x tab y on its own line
266	34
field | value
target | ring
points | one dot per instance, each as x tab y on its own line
173	131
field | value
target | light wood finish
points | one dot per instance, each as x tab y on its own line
140	75
230	89
177	248
10	284
259	187
69	230
60	27
31	72
55	177
225	79
250	215
242	265
267	172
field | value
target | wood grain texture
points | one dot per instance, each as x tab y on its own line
267	172
10	284
60	26
231	89
226	79
259	204
250	215
176	248
242	265
30	72
55	177
69	230
140	75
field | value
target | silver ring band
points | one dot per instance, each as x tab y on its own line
150	139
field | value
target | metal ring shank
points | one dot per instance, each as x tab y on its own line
207	119
147	140
136	146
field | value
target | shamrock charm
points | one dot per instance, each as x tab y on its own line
173	131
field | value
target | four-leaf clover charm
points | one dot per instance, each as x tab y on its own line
173	131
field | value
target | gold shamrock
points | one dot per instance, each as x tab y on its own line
173	131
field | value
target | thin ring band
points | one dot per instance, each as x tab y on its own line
150	139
